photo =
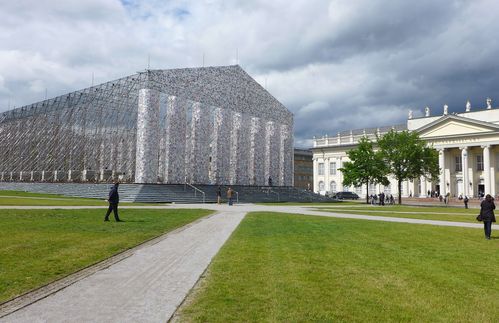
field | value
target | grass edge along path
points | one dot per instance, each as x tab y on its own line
294	268
38	247
20	198
411	212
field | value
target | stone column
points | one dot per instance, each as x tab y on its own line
441	165
147	153
316	175
424	192
339	185
464	163
493	164
486	168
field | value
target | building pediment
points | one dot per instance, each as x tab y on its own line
451	126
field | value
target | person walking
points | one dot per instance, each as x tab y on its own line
230	192
466	200
487	208
219	194
114	199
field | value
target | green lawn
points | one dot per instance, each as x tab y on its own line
453	214
39	246
292	268
18	198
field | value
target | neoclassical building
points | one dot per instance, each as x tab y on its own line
467	142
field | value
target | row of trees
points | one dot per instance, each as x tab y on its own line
403	155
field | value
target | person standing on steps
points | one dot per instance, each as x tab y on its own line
219	194
487	208
466	200
230	192
114	199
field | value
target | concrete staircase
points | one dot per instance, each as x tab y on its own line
169	193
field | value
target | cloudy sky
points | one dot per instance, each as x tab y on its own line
337	64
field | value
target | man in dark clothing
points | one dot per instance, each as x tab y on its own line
270	181
114	199
487	208
465	200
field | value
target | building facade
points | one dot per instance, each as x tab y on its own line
213	125
303	168
467	142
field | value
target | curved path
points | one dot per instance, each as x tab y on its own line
149	284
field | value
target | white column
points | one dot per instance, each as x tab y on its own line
441	165
339	185
147	153
326	175
486	168
464	163
316	176
422	180
493	176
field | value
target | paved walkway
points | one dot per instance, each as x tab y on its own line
151	283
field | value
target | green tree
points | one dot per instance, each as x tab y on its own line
408	157
366	166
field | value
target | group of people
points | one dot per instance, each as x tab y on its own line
230	195
381	198
487	206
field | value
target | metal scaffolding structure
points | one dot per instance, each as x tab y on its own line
211	125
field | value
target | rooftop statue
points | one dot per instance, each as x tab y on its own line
468	106
489	103
446	109
410	114
427	112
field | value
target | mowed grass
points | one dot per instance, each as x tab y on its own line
293	268
18	198
453	214
39	246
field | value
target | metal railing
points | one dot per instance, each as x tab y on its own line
197	190
271	191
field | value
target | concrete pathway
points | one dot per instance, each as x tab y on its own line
145	287
152	282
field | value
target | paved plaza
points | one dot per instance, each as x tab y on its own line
151	282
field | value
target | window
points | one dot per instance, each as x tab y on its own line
321	168
321	186
333	186
388	189
358	190
332	168
479	162
459	164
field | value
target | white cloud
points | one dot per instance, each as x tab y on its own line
336	64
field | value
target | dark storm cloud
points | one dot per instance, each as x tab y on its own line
337	65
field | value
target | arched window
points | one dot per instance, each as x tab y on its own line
321	186
332	186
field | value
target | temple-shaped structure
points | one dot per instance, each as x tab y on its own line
210	125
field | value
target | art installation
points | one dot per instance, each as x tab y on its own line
213	125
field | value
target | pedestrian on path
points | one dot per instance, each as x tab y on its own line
230	192
219	194
465	200
114	199
487	208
